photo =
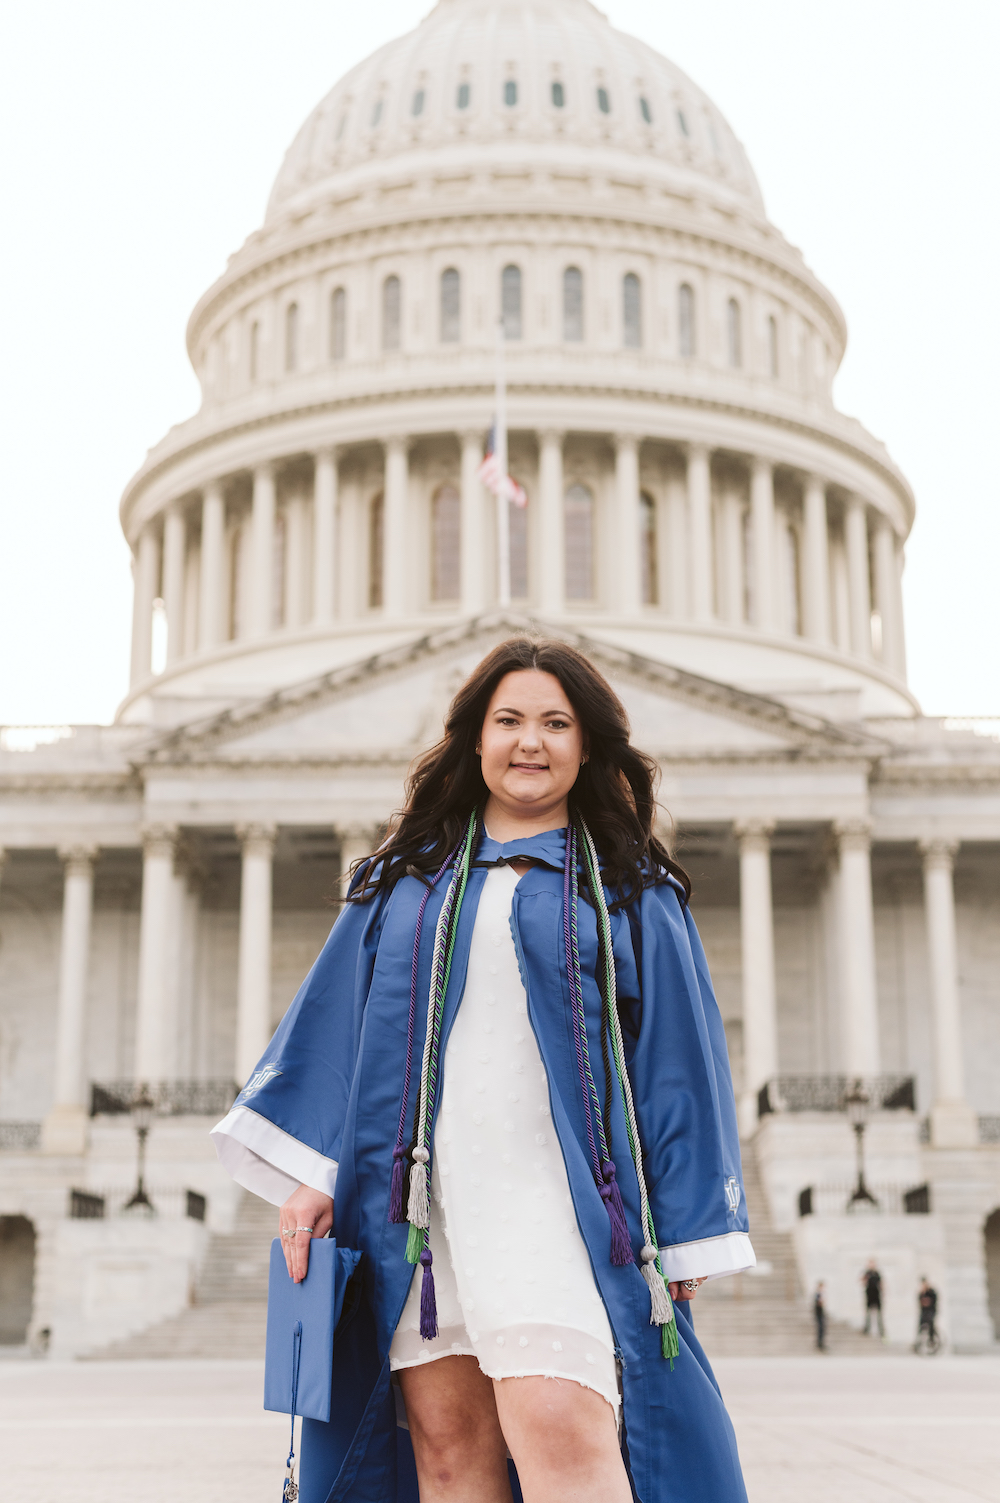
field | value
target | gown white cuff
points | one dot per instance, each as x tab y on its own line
267	1161
711	1258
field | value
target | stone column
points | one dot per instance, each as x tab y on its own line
551	529
858	582
260	607
296	554
762	534
324	536
953	1123
65	1128
356	841
858	987
396	561
887	595
815	563
155	1007
174	560
253	989
699	528
731	584
147	582
628	537
472	532
760	1008
211	626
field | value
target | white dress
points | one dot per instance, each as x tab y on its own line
512	1274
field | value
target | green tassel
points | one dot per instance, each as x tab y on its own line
416	1239
669	1344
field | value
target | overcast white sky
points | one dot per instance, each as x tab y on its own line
139	143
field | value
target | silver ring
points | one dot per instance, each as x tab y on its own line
692	1284
302	1229
288	1231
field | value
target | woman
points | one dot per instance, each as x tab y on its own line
508	1070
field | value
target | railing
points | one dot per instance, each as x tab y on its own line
828	1093
989	1129
890	1200
18	1136
103	1203
171	1098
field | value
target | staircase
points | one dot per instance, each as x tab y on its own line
764	1313
228	1314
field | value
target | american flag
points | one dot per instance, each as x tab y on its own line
495	481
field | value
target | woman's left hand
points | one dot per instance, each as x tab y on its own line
683	1291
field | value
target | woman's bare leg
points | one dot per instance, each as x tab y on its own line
459	1447
564	1441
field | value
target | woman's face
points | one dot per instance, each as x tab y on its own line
531	746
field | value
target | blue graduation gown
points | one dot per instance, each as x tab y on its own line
332	1079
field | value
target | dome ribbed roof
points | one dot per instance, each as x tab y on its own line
481	75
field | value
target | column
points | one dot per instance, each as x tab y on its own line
324	536
760	1010
731	567
815	563
953	1123
174	559
211	627
154	1008
551	571
396	561
296	553
676	569
147	582
627	532
897	595
65	1128
762	534
356	842
858	583
699	488
887	594
858	988
472	531
260	611
253	987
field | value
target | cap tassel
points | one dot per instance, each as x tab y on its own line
428	1300
418	1211
621	1243
396	1213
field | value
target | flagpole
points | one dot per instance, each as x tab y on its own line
503	498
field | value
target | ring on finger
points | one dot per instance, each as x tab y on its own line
302	1229
288	1231
692	1284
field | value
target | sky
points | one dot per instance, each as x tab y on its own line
139	142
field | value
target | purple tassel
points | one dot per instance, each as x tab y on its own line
621	1243
397	1214
428	1301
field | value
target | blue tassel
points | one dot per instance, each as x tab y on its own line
428	1301
397	1214
621	1243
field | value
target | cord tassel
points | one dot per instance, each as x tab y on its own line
428	1300
396	1213
416	1241
661	1311
621	1243
418	1211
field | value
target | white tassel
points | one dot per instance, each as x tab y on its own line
660	1309
418	1211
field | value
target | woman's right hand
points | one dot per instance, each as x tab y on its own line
308	1213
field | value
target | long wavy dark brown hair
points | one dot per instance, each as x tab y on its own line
614	792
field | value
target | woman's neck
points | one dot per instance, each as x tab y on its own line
504	824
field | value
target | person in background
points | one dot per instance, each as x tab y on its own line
927	1303
872	1280
819	1315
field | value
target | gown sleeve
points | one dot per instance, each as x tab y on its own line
286	1126
684	1100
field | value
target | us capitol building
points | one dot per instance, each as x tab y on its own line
315	573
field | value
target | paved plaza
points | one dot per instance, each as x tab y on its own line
810	1431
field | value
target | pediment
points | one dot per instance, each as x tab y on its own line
387	707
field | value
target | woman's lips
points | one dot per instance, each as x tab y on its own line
529	767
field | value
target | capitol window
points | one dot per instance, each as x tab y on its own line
510	301
292	337
392	299
647	527
338	323
254	350
572	304
603	102
445	541
644	109
558	94
685	320
772	344
376	549
451	306
462	97
376	112
632	311
579	538
734	333
510	91
417	107
682	123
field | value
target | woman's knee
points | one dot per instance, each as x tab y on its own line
563	1424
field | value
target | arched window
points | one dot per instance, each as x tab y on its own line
682	124
572	304
510	91
451	306
292	337
338	324
647	525
788	584
392	299
417	106
603	102
734	334
558	94
631	311
518	552
462	97
376	112
254	351
772	345
445	537
510	301
685	320
376	549
644	110
579	522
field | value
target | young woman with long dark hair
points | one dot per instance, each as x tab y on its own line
506	1076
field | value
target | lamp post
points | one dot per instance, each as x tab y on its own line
142	1115
857	1102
